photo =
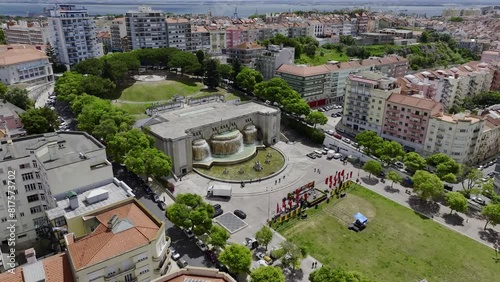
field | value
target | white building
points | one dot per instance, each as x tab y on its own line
178	33
454	135
46	167
146	28
73	34
24	64
118	31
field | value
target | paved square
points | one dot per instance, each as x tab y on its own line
231	222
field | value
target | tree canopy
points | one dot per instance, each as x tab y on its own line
446	167
390	151
427	185
456	201
264	236
120	144
39	120
218	236
394	177
293	254
186	61
189	211
277	90
469	178
370	141
492	214
16	96
237	258
267	274
326	273
150	162
316	117
211	76
413	162
248	78
372	167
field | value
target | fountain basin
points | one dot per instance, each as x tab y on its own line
227	143
201	150
249	134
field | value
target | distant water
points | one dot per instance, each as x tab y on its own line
221	9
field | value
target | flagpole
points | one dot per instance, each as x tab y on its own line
268	203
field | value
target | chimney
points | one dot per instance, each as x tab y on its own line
30	255
112	222
73	200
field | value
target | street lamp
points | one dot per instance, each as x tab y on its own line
269	191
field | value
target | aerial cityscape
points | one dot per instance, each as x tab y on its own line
260	141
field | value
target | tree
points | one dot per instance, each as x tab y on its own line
211	76
150	162
225	71
326	273
98	86
310	50
18	97
100	110
69	85
79	102
264	236
2	37
316	117
3	89
92	66
293	255
446	167
390	151
492	214
237	258
427	185
488	188
372	167
237	68
469	178
39	120
186	61
267	274
456	201
218	236
395	177
120	144
200	55
425	37
413	162
369	140
189	211
248	78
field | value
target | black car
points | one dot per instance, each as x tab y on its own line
218	212
240	214
216	207
155	197
148	190
162	205
448	187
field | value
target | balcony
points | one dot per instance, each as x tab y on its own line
439	136
112	276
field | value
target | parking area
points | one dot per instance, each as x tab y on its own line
231	222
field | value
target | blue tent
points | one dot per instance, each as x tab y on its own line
361	218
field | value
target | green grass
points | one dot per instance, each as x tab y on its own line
397	245
162	90
133	109
328	55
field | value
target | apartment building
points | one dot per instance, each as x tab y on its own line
178	33
30	33
361	23
406	120
118	31
398	33
364	102
73	35
487	147
146	29
234	36
24	64
217	39
122	242
46	166
272	58
490	56
454	135
246	53
371	38
199	39
104	38
334	76
10	123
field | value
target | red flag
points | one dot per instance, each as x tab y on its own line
305	196
284	205
290	204
331	179
330	185
326	181
277	208
343	172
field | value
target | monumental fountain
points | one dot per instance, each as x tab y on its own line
235	155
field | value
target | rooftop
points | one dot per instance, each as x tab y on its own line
175	124
15	54
116	191
69	146
458	117
248	45
103	244
196	274
52	269
415	102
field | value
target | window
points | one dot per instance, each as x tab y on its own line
27	176
23	166
40	221
40	186
4	182
42	196
4	219
21	214
417	112
37	174
32	198
463	130
35	164
30	187
60	221
402	109
36	209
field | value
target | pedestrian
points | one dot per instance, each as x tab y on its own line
312	265
467	220
314	169
279	180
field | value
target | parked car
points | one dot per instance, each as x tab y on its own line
448	187
251	243
218	212
311	155
240	214
337	136
189	233
478	200
182	263
345	140
330	132
201	246
211	256
148	189
216	206
174	254
162	205
155	197
264	257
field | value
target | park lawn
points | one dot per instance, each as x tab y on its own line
161	90
397	244
328	55
133	109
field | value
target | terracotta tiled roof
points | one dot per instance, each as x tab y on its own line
56	269
421	103
103	34
303	70
176	20
15	54
103	244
